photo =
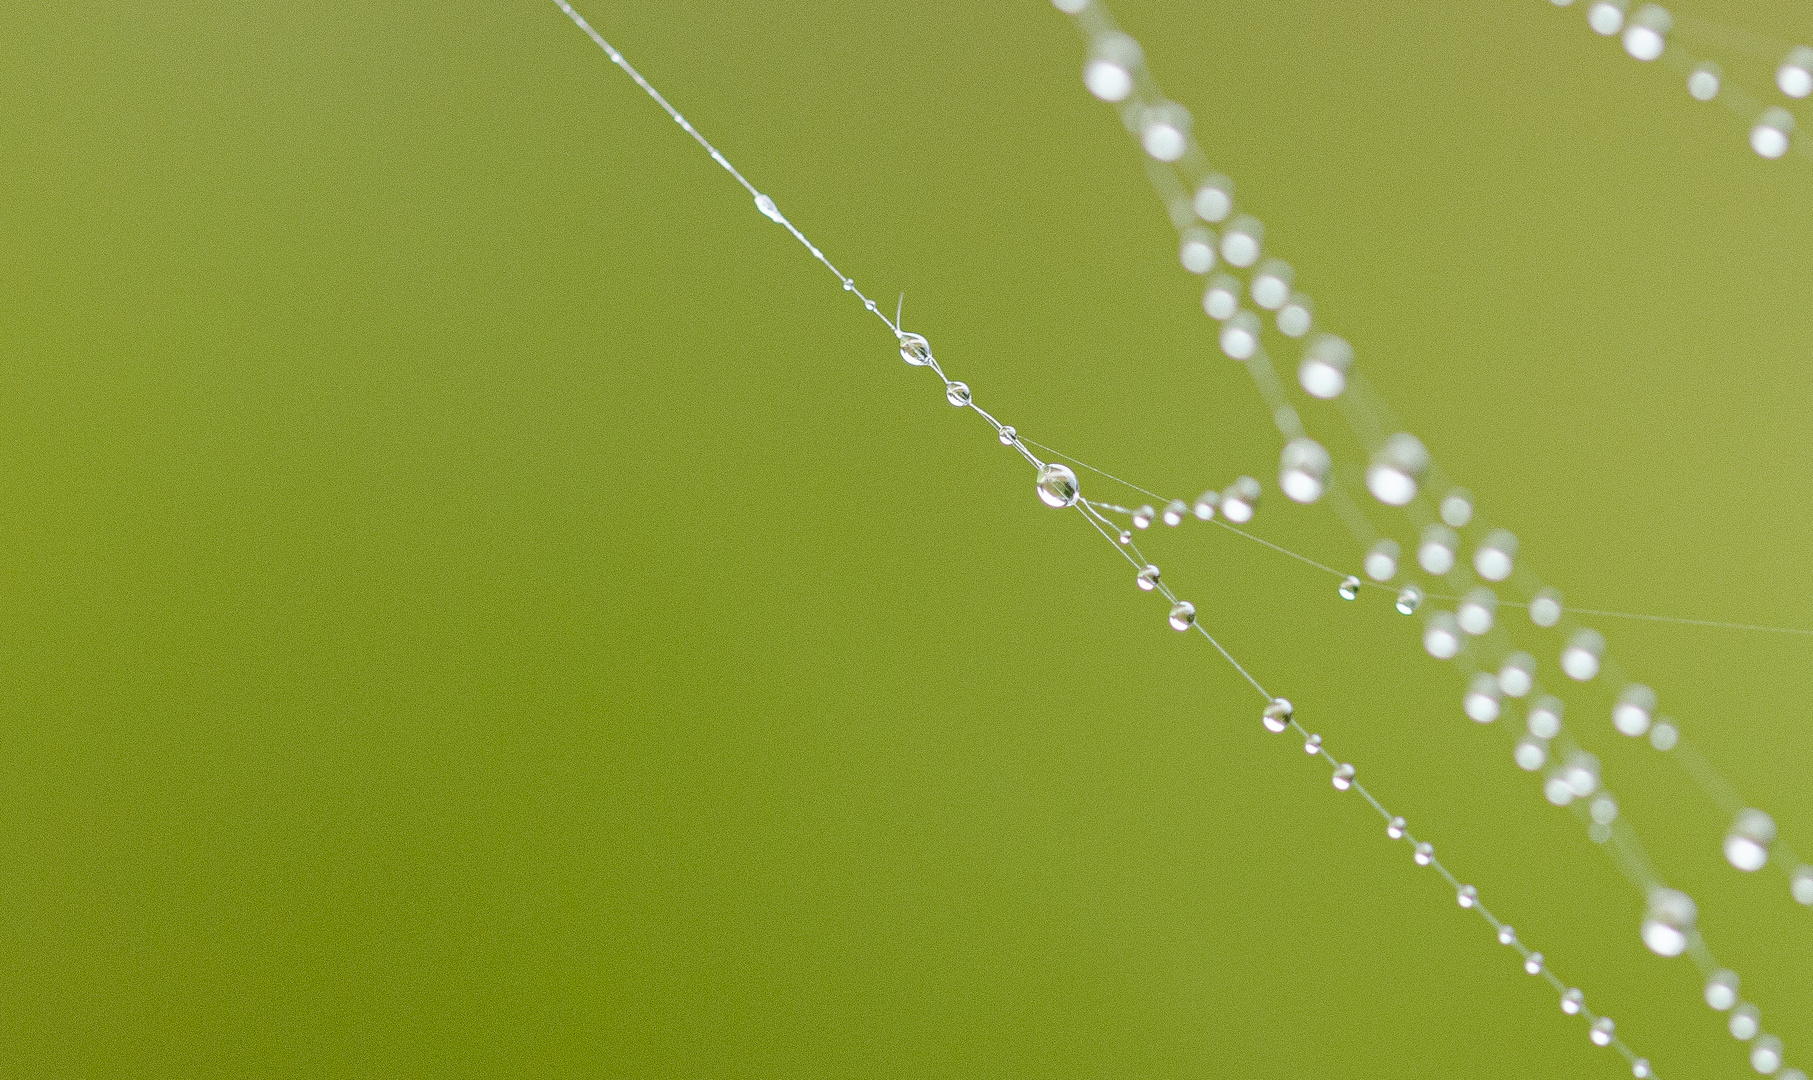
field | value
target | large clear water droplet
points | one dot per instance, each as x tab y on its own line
1425	853
1669	922
1175	512
1277	715
769	210
1343	778
915	350
1147	578
1747	844
1349	587
1008	435
957	394
1057	485
1601	1032
1572	1000
1142	517
1409	599
1183	615
1312	744
1395	828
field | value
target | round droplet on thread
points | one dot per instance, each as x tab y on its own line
1214	199
1057	486
1545	717
1164	131
1640	1069
1343	777
1507	936
1604	810
1493	559
1457	508
1441	636
1142	517
1571	1000
1545	608
1395	828
1349	587
1183	615
773	213
1175	512
1795	76
1323	373
1581	772
1606	17
1517	675
1647	35
1631	715
1409	599
1557	791
1425	853
1008	435
957	394
1303	470
1312	744
1113	58
1126	537
1601	1032
1664	735
1747	842
1382	560
1466	896
1272	284
1533	963
1482	702
1476	610
1205	505
1222	298
1296	316
1766	1055
1580	659
1394	470
1530	755
1436	553
1721	990
1703	82
1241	500
915	350
1277	715
1744	1023
1769	138
1147	578
1669	922
1196	251
1242	240
1240	335
1800	885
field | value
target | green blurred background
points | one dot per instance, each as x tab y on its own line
479	601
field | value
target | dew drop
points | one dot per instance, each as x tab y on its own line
915	350
1640	1069
1604	810
1205	505
1441	636
1196	251
1303	470
1349	587
1721	990
1744	1023
1606	17
1800	885
1545	609
1647	34
1506	935
1636	704
1703	83
1240	242
1057	486
1557	791
1545	717
1214	199
1382	561
1766	1055
1669	922
1530	755
1113	58
1008	435
1533	963
1296	316
1165	131
1581	772
1467	896
771	211
1457	508
1747	843
1795	76
1517	676
957	394
1142	517
1343	778
1425	853
1580	660
1482	703
1664	735
1409	599
1571	1000
1222	298
1175	512
1323	373
1240	335
1436	553
1476	611
1272	284
1126	537
1395	828
1601	1033
1312	745
1147	578
1493	559
1183	615
1769	138
1240	500
1278	715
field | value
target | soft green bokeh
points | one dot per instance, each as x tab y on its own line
479	601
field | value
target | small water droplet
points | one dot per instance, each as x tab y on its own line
1343	777
1604	810
1008	435
1175	512
1350	587
1057	486
1581	657
1147	578
1545	608
1664	735
1545	717
1183	615
1425	853
768	209
1126	537
1766	1055
1744	1023
1533	963
1240	500
1409	599
1721	990
1277	715
1467	896
1457	508
1800	885
1312	745
1395	828
957	394
1506	935
1205	505
1142	517
1602	1031
915	350
1530	755
1571	1001
1640	1069
1668	924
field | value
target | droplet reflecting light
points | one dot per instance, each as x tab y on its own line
1183	615
1057	485
1669	922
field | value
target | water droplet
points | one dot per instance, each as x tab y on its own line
1183	615
1113	58
1506	935
1312	745
1545	609
1557	791
1240	335
1278	715
1721	990
1769	137
1747	844
1240	500
1441	635
1517	676
1214	198
957	394
1382	561
1409	599
1533	963
1581	771
1147	578
1436	553
1635	706
1457	508
1349	587
1296	316
1581	657
1425	853
1303	470
1467	896
1669	922
1664	735
1545	717
1800	885
1601	1033
1571	1000
1008	435
1070	7
1142	517
1057	485
1476	610
1481	702
768	209
1744	1022
1640	1069
1164	131
1647	34
1392	476
1222	298
1343	778
1606	17
1240	242
1175	512
1493	559
1395	828
1766	1055
1703	83
1323	372
1196	250
1530	755
1604	810
915	350
1126	537
1795	76
1272	284
1205	505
